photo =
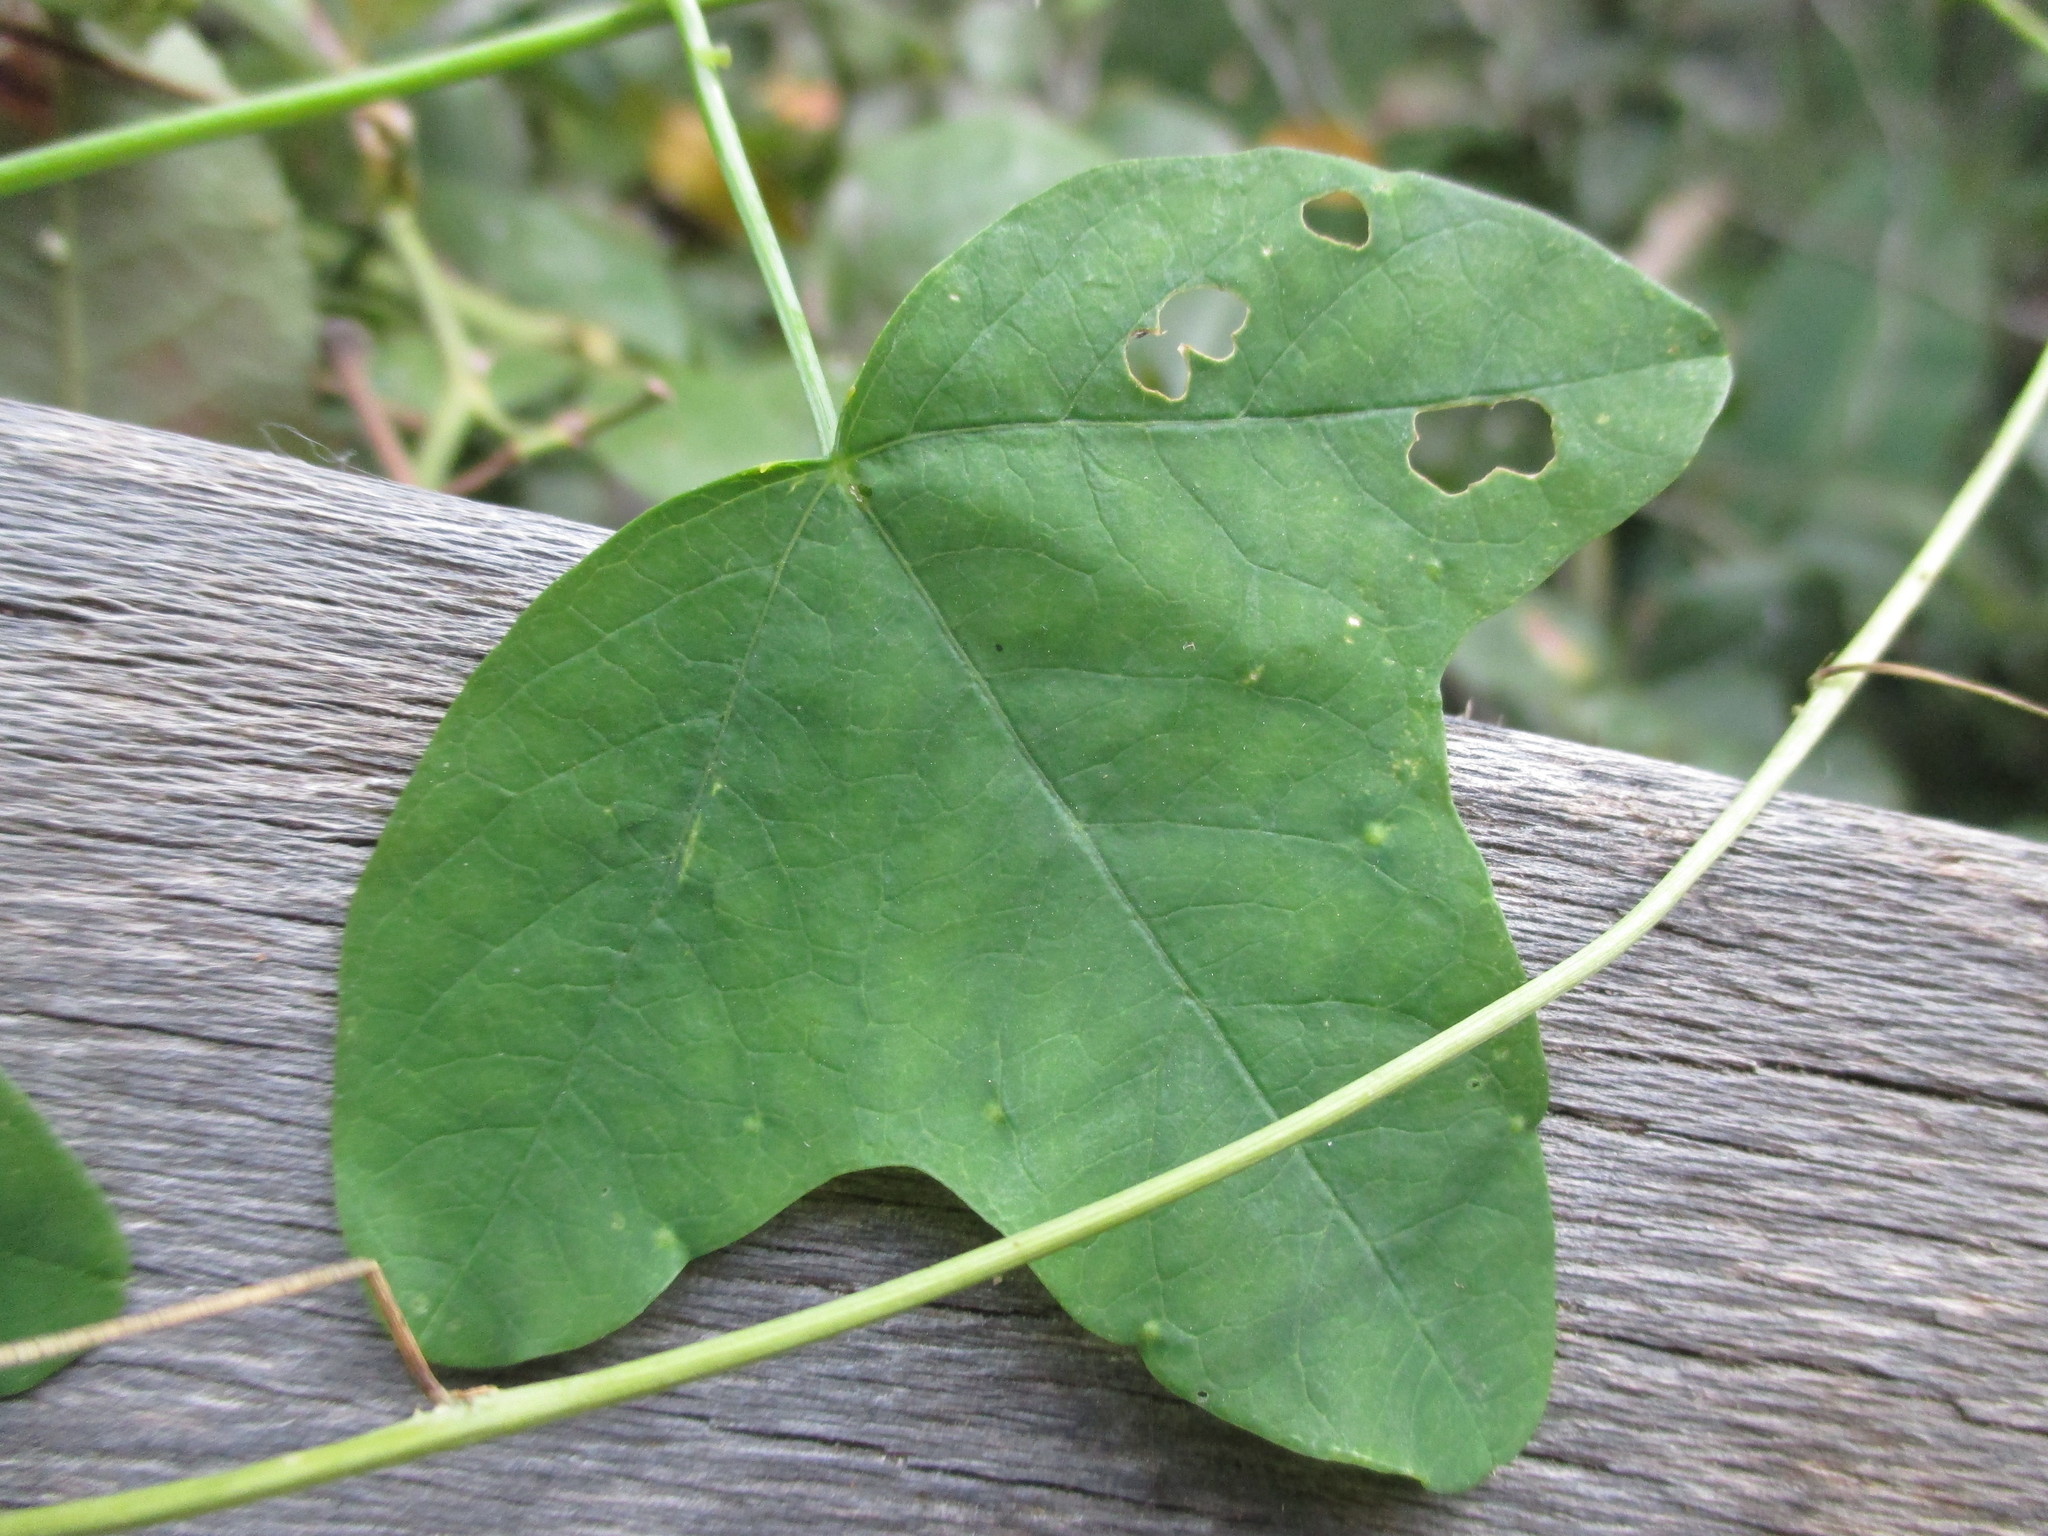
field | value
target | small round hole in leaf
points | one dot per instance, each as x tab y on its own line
1338	217
1457	446
1201	321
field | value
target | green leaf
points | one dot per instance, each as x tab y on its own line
544	250
373	23
1866	346
721	420
1137	122
906	203
62	1261
1045	790
174	292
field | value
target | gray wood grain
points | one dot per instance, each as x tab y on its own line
1800	1144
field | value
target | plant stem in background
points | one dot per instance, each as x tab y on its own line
2023	19
705	62
348	346
526	1407
568	429
88	152
464	398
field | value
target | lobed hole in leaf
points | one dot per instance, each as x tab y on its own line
1338	217
1457	446
1202	321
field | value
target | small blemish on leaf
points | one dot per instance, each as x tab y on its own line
993	1113
1518	1123
618	1221
1254	675
753	1124
1338	217
1376	833
1150	1330
1202	322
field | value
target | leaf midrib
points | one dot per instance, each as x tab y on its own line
1078	831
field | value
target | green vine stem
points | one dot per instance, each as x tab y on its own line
520	1408
705	62
109	147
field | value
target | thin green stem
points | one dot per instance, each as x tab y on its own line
2023	19
705	62
321	98
519	1408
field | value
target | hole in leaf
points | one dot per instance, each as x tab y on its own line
1338	217
1203	321
1457	446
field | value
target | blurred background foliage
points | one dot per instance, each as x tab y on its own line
1855	188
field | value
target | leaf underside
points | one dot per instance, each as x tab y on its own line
1042	791
62	1259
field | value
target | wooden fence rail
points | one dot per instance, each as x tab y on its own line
1799	1148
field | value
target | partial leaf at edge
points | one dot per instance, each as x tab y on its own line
1046	790
62	1259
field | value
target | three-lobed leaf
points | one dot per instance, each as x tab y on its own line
1040	792
62	1259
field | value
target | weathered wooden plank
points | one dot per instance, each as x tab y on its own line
1798	1146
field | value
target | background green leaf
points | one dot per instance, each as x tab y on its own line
720	422
174	292
907	202
1044	791
62	1261
547	251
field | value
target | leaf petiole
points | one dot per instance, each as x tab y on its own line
519	1408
